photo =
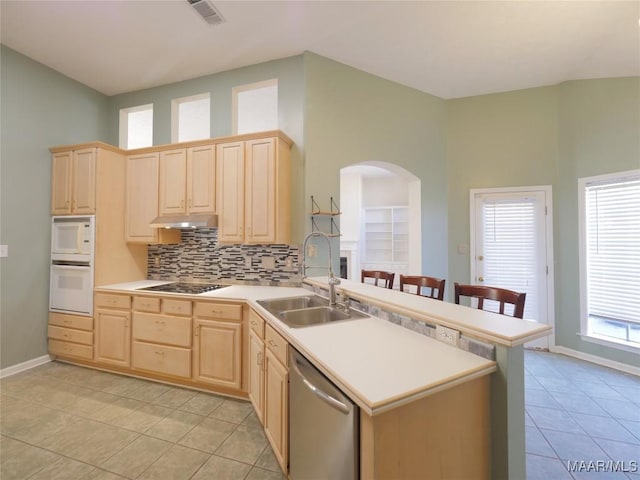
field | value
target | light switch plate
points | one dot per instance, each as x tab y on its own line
4	250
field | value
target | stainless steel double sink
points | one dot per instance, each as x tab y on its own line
306	311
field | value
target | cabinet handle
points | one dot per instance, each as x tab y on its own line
160	353
254	323
259	358
182	203
273	344
197	331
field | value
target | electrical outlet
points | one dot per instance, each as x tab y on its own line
312	251
448	335
247	261
288	263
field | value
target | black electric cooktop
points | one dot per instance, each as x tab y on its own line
184	287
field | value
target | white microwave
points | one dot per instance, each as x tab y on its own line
72	238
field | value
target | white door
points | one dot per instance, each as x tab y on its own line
512	248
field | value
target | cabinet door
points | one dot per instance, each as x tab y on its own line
217	353
113	337
83	194
173	182
201	179
61	183
260	191
230	192
256	374
142	197
276	407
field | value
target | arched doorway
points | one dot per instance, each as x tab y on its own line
381	219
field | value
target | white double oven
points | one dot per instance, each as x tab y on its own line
72	264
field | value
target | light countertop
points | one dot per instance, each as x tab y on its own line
488	326
380	365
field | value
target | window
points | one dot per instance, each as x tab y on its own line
255	107
191	118
610	257
136	127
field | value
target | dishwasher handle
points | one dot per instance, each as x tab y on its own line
321	394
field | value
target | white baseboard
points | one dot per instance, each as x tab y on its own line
21	367
623	367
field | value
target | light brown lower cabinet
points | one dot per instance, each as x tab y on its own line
256	374
217	344
256	363
276	395
444	435
70	335
162	336
112	318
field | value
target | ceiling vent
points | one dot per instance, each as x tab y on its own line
207	11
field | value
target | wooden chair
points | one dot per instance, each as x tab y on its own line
425	286
501	295
377	275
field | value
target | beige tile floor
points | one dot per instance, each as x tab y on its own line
60	421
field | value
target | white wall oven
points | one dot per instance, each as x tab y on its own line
72	263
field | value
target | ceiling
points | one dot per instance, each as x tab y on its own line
446	48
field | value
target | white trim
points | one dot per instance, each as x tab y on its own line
623	367
548	195
273	82
607	342
21	367
175	104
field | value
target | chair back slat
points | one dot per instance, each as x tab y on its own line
434	285
501	295
378	275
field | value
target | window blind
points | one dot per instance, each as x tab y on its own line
510	250
613	249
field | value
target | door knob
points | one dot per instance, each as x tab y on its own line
481	279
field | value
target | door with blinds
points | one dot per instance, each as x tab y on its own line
511	248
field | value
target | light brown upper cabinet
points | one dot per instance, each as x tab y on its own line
253	191
142	201
187	180
73	188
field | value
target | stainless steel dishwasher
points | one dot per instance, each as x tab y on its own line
323	426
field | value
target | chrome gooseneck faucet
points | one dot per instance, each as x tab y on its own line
333	280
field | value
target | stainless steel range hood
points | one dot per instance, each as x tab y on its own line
185	221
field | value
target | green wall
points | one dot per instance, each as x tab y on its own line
500	140
351	117
599	124
39	108
543	136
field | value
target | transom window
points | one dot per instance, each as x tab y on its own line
610	257
191	118
136	127
255	107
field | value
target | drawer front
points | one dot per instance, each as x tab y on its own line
256	322
223	311
109	300
162	329
70	335
176	307
146	304
71	321
162	359
65	349
276	344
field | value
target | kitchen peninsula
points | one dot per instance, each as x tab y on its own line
403	381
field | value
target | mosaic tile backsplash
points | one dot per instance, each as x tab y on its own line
200	258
